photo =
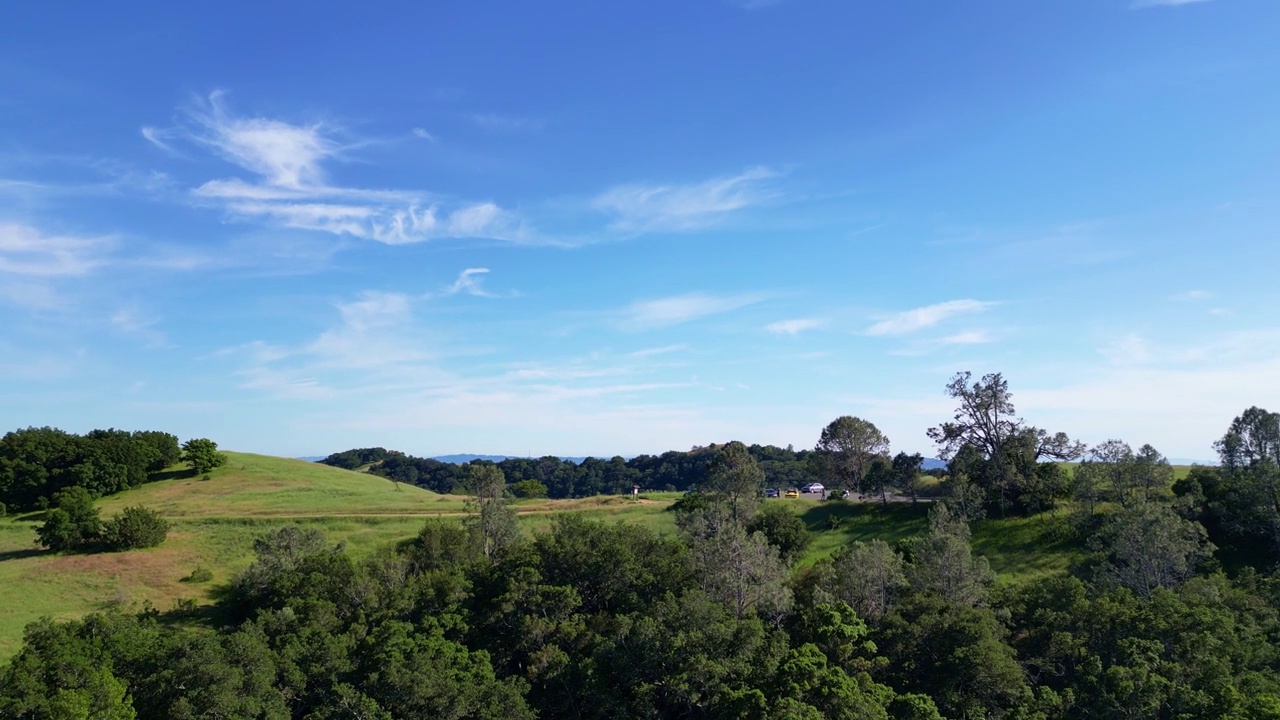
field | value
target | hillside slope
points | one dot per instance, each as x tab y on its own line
264	486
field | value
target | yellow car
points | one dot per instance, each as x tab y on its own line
793	493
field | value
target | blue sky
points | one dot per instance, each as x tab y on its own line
599	228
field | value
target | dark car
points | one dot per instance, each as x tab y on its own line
771	492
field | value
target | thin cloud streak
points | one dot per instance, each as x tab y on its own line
675	208
911	321
678	309
24	250
795	327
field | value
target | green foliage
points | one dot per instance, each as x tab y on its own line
866	576
953	653
784	531
135	527
735	478
529	489
73	523
38	462
997	451
202	454
1148	546
846	450
200	574
942	562
491	520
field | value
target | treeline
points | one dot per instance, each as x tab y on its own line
550	476
592	620
37	463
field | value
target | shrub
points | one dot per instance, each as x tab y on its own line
136	527
73	523
529	489
3	510
199	575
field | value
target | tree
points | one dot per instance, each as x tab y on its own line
203	455
73	523
1101	470
1004	449
1148	546
942	562
491	521
1250	456
846	449
906	473
867	576
743	571
784	529
135	527
735	477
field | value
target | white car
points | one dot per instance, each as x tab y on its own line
813	488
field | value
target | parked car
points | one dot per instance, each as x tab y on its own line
814	488
793	493
771	492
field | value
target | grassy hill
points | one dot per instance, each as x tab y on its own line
215	522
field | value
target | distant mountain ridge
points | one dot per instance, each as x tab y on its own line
464	458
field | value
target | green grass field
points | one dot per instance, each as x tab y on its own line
215	522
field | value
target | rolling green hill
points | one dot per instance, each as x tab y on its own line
215	522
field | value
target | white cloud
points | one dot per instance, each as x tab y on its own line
424	134
795	327
25	250
374	310
1193	295
159	138
469	282
290	186
658	208
664	312
910	321
968	337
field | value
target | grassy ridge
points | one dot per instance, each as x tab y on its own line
215	522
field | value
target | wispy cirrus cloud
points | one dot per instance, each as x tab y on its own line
674	208
288	184
25	250
470	282
678	309
795	326
910	321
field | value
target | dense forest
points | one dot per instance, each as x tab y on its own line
1172	612
672	471
38	463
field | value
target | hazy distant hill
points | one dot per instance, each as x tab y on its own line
464	458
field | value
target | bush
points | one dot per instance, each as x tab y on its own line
529	489
136	527
3	510
73	523
199	575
